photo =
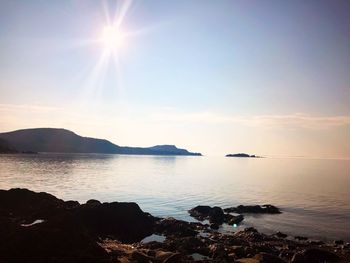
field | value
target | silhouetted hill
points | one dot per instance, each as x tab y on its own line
169	149
65	141
5	147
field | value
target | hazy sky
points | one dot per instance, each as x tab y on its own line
264	77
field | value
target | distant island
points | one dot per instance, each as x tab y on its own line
65	141
244	155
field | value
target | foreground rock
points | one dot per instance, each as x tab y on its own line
66	230
215	215
253	209
38	227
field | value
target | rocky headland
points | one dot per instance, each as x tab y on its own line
38	227
53	140
5	147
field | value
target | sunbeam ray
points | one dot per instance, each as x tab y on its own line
120	16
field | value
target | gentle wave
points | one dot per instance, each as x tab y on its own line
313	194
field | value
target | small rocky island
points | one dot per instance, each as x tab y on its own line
243	155
38	227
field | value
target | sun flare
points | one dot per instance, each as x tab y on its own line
112	39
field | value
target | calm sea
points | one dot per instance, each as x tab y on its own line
314	195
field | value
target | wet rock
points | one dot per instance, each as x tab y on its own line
173	227
214	214
316	242
268	258
247	260
214	226
198	257
99	232
231	220
280	235
93	202
339	242
71	204
200	212
69	231
286	254
161	255
48	242
253	209
28	205
219	253
298	258
300	238
266	248
250	234
174	258
124	221
239	251
141	257
188	245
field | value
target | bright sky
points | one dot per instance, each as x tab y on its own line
217	77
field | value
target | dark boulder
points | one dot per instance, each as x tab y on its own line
339	242
253	209
281	235
93	202
200	212
68	231
124	221
48	242
300	238
188	245
250	234
269	258
141	257
214	226
25	203
215	215
231	219
174	258
219	253
178	228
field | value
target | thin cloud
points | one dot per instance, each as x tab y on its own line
297	120
21	107
300	120
14	113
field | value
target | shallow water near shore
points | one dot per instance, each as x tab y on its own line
313	194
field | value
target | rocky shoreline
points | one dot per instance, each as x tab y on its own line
38	227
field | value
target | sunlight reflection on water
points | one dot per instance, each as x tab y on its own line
312	193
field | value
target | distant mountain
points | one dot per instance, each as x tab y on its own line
65	141
5	147
244	155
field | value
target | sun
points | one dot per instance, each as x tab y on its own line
112	39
